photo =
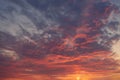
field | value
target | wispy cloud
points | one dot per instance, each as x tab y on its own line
54	39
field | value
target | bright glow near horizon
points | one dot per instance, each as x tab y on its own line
78	78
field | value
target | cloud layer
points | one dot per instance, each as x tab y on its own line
47	40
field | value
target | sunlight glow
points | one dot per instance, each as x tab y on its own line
78	78
116	49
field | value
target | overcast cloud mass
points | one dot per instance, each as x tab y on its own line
59	39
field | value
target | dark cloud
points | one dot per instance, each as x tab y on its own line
45	37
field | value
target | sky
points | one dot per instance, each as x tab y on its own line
59	39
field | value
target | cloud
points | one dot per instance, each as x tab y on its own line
9	54
23	20
50	38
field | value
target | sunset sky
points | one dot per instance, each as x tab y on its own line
59	39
